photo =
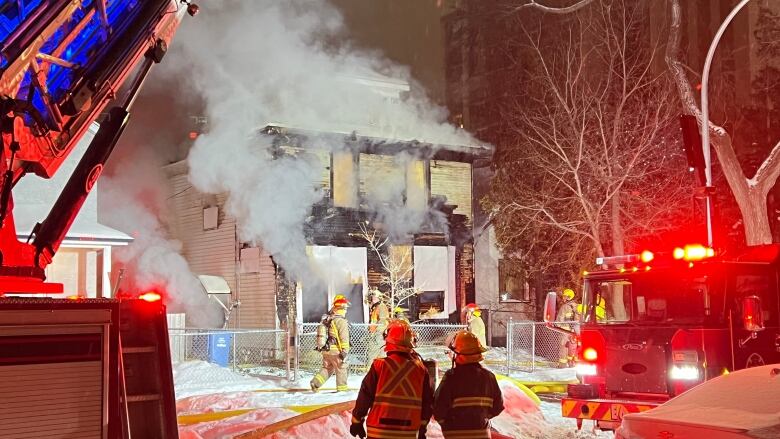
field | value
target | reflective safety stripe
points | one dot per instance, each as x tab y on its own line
472	401
319	379
397	405
467	434
381	433
343	388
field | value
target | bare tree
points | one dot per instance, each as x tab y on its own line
397	266
749	193
596	164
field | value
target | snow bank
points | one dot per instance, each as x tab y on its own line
204	388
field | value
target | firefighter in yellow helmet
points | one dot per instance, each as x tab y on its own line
469	395
400	314
334	360
600	309
378	316
395	398
474	322
568	312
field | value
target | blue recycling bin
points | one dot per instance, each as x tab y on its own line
219	348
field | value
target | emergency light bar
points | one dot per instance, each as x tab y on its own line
645	256
691	252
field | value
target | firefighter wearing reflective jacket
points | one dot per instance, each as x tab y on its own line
475	324
468	396
396	393
568	312
334	359
379	314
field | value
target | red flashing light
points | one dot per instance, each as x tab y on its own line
693	252
592	346
151	296
193	135
590	354
647	256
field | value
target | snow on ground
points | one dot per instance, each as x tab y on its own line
205	388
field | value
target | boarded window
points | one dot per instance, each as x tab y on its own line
452	180
344	180
318	157
400	260
382	179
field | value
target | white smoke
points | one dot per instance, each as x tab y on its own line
132	201
285	61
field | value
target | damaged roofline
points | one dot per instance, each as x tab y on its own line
377	145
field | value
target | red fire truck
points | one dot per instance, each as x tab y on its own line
669	321
82	368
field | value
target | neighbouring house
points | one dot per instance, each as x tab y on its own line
83	262
435	180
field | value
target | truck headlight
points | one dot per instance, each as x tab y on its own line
686	372
585	369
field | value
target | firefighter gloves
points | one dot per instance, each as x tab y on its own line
357	429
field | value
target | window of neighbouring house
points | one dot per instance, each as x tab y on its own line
345	192
512	282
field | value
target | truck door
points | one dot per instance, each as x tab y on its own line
760	281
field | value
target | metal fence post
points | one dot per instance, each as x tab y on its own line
510	332
235	336
533	346
287	351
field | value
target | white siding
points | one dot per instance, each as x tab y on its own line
214	251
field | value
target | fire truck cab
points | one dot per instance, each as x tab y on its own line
670	321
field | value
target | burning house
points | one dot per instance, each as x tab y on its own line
395	215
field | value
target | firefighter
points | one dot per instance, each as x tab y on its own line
396	393
475	324
379	314
400	314
600	309
334	360
468	396
568	312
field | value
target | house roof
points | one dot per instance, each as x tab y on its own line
366	142
85	228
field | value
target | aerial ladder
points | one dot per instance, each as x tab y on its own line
87	368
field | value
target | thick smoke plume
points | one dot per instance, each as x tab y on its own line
286	62
132	201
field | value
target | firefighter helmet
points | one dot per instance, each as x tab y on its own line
473	309
340	302
568	294
467	347
399	336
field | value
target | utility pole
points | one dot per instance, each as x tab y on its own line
705	117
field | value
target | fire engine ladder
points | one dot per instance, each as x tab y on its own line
148	399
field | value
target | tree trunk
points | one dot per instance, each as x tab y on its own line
754	217
618	236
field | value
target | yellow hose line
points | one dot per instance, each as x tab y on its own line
197	418
522	387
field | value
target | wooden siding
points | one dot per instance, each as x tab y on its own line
214	252
453	180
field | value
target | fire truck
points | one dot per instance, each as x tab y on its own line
86	368
668	322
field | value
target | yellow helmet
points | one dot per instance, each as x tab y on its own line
340	301
467	347
399	336
568	294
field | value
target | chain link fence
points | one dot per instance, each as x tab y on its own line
366	345
250	351
533	345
